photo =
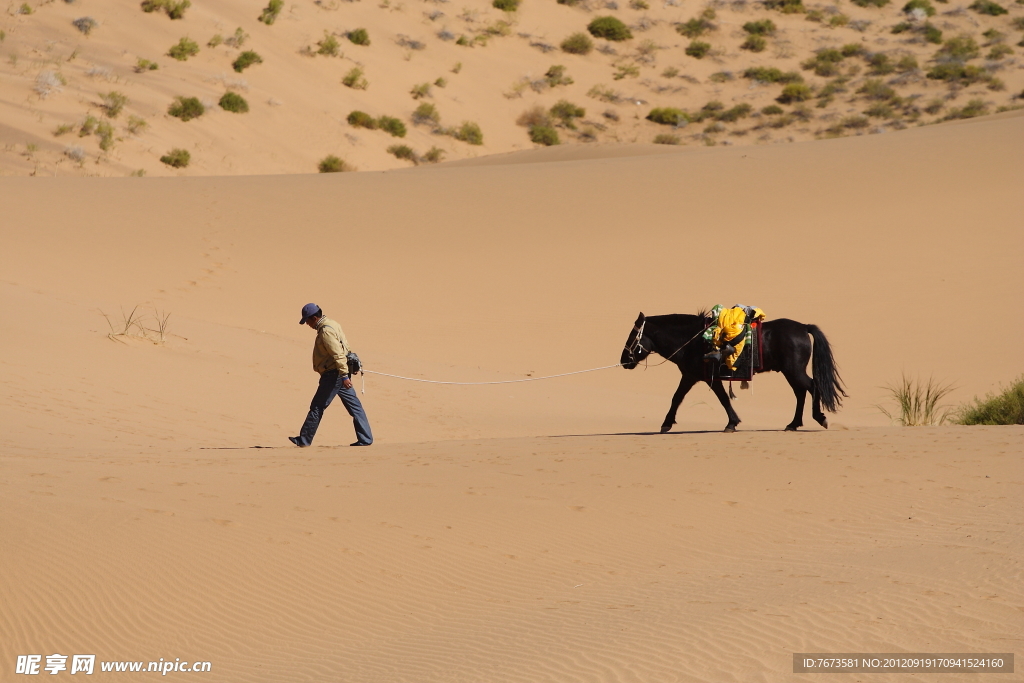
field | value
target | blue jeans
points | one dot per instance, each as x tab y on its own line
331	386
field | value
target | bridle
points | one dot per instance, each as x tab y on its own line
637	343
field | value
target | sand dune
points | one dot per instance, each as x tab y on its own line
538	531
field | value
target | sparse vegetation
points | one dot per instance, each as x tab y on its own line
359	36
772	110
785	6
184	49
333	164
105	132
577	44
764	27
469	132
697	26
875	89
668	116
825	62
754	44
993	9
667	139
404	152
565	112
136	124
391	125
961	48
237	39
505	5
177	158
555	76
175	9
433	155
144	65
360	119
245	60
698	49
85	24
186	108
233	102
923	5
426	113
769	74
420	91
544	135
270	13
1004	408
968	111
354	79
609	28
113	103
795	92
88	126
998	52
917	402
63	129
328	46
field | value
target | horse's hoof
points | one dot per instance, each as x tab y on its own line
791	428
823	422
665	428
729	429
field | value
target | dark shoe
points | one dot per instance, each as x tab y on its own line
360	443
298	441
714	355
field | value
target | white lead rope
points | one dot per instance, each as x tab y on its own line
505	381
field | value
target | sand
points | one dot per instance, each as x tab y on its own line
536	531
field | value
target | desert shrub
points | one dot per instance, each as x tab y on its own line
880	110
998	52
361	119
105	132
144	65
917	402
391	125
433	155
565	111
426	113
184	49
605	94
544	135
825	62
772	110
359	36
639	4
932	34
85	24
534	116
968	111
63	129
906	63
1005	408
769	74
837	20
136	124
177	158
577	44
469	132
245	60
988	7
764	27
237	39
698	49
870	3
233	102
667	139
815	15
354	79
420	91
698	26
923	5
880	64
88	126
555	76
785	6
852	50
734	114
795	92
441	82
113	103
328	46
993	36
186	108
75	153
668	116
333	164
173	9
960	48
609	28
721	77
754	44
875	89
963	74
403	152
270	13
506	5
215	41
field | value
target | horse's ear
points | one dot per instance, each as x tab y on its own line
640	318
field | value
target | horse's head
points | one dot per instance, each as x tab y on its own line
637	346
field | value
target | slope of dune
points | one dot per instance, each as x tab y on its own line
53	78
538	531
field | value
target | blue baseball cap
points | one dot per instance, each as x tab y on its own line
308	310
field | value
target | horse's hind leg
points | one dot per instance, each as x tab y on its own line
723	398
801	384
816	412
685	384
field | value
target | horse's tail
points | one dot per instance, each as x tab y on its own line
826	377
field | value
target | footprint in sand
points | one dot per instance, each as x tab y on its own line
111	480
225	522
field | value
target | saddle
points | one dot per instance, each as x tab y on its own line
734	344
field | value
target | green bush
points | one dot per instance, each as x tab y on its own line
433	155
332	164
754	44
328	45
270	13
875	89
852	50
88	126
769	74
144	65
173	9
932	34
921	5
404	152
609	28
773	110
824	62
233	102
968	111
698	26
988	7
392	125
177	158
698	49
361	119
870	3
906	63
544	135
359	36
735	113
186	108
245	60
354	79
106	134
506	5
426	113
184	49
555	76
420	91
668	116
880	64
469	132
113	103
136	124
578	44
1005	408
998	52
795	92
667	139
961	48
566	111
785	6
953	72
764	27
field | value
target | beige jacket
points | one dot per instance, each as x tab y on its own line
330	348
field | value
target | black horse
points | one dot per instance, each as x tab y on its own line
786	348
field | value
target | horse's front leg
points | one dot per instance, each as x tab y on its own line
723	397
685	384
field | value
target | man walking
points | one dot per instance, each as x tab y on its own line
330	359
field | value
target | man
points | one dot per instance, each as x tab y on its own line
330	359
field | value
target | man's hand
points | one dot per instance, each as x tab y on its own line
347	383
